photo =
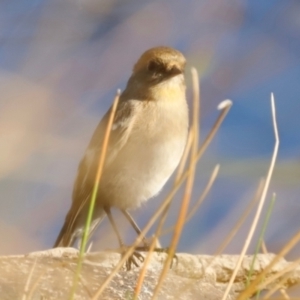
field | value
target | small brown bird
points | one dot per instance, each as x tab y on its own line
147	140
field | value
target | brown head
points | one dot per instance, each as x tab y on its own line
160	63
156	69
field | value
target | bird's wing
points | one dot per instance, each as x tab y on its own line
86	175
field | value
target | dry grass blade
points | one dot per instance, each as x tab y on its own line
234	231
178	175
184	155
34	286
225	107
94	193
201	198
205	192
261	203
163	217
140	237
286	277
264	247
99	171
260	238
189	186
142	273
26	287
256	282
285	295
271	279
242	219
278	285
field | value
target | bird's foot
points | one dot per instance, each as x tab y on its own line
135	259
146	248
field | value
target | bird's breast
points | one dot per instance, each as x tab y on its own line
149	157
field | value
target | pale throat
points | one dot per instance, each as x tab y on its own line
171	89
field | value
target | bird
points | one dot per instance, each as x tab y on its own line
147	140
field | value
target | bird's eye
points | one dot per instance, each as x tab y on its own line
154	67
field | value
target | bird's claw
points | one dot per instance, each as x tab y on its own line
134	259
159	250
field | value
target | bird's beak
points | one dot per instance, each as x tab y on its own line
175	71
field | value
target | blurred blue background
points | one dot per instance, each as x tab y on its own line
61	62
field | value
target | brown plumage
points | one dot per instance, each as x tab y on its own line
146	143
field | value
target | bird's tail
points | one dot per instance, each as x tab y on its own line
74	226
62	239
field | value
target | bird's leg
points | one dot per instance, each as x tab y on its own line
131	260
134	225
146	246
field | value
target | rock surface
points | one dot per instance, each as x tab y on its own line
49	275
